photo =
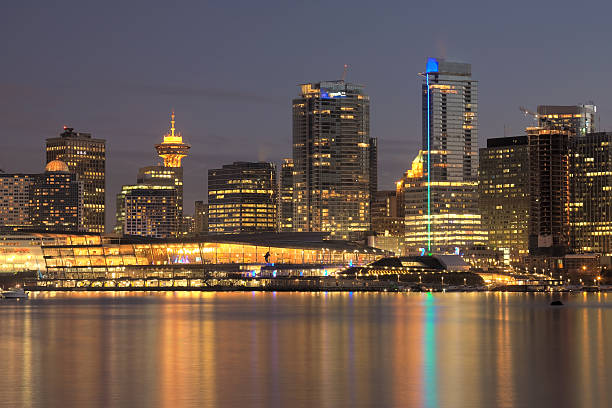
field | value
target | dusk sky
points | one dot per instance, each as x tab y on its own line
231	68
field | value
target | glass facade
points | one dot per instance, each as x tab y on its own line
332	158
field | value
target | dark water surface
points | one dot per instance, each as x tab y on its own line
306	350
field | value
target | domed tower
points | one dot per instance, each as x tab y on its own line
172	149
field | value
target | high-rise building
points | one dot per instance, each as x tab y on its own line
285	196
504	196
579	120
172	150
549	192
373	168
386	219
201	217
242	197
332	159
441	208
590	180
15	200
86	157
56	199
150	210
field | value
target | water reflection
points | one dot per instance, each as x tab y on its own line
305	349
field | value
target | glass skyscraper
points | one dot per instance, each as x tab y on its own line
442	207
332	158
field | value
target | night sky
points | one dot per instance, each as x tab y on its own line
231	68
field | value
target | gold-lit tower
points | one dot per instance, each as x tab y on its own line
172	149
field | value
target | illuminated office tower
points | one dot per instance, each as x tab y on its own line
447	218
56	199
579	120
504	196
242	197
172	150
332	159
285	196
548	190
590	180
15	200
86	157
150	210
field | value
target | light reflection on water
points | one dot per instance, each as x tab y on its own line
331	349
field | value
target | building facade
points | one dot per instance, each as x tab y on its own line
57	200
578	120
15	200
332	158
285	196
150	211
201	217
86	157
549	192
504	196
242	197
441	208
590	180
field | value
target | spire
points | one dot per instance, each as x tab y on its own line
172	124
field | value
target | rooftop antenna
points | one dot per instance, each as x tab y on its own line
344	72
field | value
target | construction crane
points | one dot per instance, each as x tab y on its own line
344	72
526	111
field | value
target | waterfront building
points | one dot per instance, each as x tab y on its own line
549	192
150	210
201	217
441	208
579	120
590	204
56	199
15	200
332	158
86	157
242	197
172	150
285	196
62	259
504	196
386	219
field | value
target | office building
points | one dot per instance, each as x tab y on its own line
201	217
590	180
150	210
15	200
386	219
579	120
285	196
57	200
86	157
504	196
242	197
332	159
441	206
549	192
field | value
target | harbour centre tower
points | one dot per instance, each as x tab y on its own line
441	203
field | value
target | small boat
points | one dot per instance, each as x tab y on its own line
15	293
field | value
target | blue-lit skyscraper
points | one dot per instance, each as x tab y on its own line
441	207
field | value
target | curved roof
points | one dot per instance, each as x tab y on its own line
57	165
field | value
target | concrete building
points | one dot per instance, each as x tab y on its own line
242	197
15	200
332	157
590	204
548	191
150	210
504	196
441	206
285	196
579	120
57	200
86	157
201	217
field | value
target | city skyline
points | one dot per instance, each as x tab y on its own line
126	102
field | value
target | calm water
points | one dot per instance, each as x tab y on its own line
306	350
